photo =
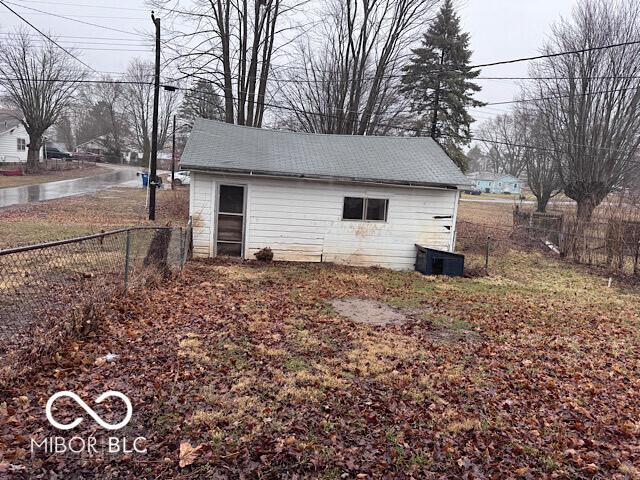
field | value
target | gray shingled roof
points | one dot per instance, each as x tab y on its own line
222	147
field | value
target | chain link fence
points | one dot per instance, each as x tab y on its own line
42	286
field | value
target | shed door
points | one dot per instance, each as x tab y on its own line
230	221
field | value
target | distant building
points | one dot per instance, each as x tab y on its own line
488	182
14	139
97	147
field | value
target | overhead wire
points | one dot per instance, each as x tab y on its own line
72	19
45	35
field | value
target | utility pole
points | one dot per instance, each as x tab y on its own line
173	154
154	135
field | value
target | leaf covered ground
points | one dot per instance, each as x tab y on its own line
245	371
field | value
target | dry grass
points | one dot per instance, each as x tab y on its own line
51	176
83	215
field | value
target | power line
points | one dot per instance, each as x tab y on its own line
484	65
415	130
557	97
559	54
91	49
80	37
76	20
75	42
488	105
88	16
604	77
295	110
45	35
83	5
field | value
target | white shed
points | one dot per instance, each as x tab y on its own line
359	200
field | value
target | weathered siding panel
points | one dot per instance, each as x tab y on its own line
9	145
302	221
201	204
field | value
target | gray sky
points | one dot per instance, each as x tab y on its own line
500	30
505	29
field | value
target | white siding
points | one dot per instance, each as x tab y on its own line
201	206
302	221
9	145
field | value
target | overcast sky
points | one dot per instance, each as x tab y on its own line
500	29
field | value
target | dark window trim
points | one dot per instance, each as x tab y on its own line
364	210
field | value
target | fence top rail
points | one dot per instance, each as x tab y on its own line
67	241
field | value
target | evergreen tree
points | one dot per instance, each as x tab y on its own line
201	101
437	81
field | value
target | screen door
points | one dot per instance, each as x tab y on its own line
230	222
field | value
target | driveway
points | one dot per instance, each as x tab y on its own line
118	176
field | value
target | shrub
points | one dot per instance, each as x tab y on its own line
265	255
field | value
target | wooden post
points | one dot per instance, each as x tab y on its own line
154	133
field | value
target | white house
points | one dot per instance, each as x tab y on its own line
13	138
360	200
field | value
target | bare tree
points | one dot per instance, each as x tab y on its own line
64	132
502	139
543	178
40	81
139	107
348	79
230	43
590	101
103	116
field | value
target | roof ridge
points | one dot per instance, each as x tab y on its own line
293	132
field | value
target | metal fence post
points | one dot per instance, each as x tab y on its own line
182	242
186	243
486	255
127	252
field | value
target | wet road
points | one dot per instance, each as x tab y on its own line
66	188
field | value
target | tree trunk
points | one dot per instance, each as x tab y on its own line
146	152
33	154
542	203
584	212
586	206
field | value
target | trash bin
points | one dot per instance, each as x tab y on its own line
145	179
438	262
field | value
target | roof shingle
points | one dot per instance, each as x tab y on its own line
223	147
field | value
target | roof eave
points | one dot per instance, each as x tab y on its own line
326	178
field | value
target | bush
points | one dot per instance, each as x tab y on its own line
264	255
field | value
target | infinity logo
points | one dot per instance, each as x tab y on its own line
89	410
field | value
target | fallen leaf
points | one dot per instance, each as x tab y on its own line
188	454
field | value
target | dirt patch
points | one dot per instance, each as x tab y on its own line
369	312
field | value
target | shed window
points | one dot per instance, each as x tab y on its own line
22	144
231	199
369	209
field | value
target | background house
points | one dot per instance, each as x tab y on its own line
489	182
13	138
99	146
360	200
